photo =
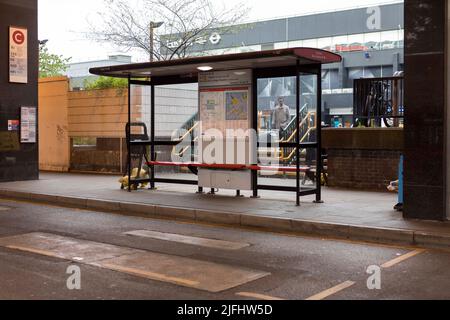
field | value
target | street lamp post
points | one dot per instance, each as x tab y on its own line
153	26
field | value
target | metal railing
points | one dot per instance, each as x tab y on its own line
378	102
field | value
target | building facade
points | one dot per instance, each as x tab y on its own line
78	72
370	40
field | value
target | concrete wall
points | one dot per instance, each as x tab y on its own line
54	150
363	159
17	161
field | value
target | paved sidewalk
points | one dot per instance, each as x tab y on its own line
345	214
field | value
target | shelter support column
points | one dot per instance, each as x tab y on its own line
447	101
152	135
426	123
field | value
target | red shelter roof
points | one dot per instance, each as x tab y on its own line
248	60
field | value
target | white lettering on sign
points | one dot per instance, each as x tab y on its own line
213	39
18	55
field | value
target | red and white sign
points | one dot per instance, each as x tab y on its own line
318	55
18	37
18	55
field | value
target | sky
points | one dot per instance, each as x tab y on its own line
64	22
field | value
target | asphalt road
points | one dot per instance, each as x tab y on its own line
299	267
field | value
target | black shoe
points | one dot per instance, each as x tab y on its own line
399	207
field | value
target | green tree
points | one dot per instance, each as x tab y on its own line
51	65
105	83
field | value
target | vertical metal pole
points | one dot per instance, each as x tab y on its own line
129	134
255	127
152	30
319	137
355	104
297	135
152	136
121	155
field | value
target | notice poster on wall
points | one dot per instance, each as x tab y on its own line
211	110
9	141
18	55
13	125
28	129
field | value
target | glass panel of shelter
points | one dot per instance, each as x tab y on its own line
277	123
140	129
176	119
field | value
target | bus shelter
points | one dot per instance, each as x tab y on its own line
236	136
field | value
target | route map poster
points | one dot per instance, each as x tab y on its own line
236	105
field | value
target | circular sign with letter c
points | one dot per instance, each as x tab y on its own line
18	37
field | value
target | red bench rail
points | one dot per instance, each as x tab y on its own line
228	166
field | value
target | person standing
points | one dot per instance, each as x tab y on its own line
281	116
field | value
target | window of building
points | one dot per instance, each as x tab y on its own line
281	45
354	73
372	40
389	40
296	44
311	43
385	40
356	42
325	43
334	80
372	72
387	71
340	43
326	79
269	46
401	38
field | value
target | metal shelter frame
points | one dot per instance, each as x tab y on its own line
293	62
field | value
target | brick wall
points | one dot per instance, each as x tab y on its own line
364	159
362	169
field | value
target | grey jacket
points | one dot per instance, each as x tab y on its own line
281	117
